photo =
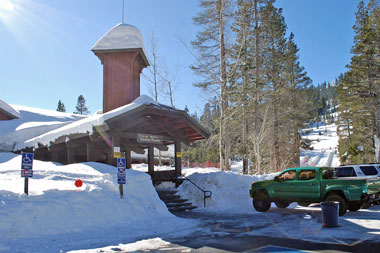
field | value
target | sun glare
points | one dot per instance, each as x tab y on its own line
6	6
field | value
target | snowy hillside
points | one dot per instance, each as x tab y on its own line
325	146
58	211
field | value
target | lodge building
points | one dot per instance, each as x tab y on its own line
132	122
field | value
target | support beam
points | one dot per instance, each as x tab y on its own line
70	154
90	152
151	160
177	134
128	157
178	158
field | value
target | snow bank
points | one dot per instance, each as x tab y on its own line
55	207
230	191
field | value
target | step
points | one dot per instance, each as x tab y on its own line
169	198
174	205
182	209
166	191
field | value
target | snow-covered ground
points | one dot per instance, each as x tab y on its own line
59	216
325	146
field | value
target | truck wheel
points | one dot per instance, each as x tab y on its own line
282	204
261	201
366	205
354	206
342	202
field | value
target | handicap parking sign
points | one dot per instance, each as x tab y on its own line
26	173
121	177
27	161
121	163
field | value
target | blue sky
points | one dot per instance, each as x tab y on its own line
45	45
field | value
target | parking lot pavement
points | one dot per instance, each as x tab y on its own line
298	229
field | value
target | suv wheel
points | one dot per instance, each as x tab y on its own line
261	201
341	200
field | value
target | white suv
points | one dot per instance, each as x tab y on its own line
361	171
358	170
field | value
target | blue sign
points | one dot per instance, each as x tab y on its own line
121	163
27	161
27	173
121	177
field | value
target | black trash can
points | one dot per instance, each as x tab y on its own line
330	214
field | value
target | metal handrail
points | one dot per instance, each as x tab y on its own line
206	194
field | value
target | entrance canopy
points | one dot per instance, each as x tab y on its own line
142	124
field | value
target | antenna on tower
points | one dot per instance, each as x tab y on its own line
122	14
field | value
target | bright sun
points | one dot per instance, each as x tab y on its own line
6	5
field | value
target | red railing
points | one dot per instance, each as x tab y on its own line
207	164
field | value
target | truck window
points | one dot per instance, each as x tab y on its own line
306	175
369	170
345	172
327	173
287	175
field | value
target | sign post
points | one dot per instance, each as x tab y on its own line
121	175
27	169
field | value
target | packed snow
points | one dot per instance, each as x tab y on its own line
325	146
56	211
31	122
84	126
9	109
121	36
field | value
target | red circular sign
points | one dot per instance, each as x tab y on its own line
78	183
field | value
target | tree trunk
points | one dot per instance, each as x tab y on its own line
224	135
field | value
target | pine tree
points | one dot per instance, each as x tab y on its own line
212	63
61	107
81	107
358	98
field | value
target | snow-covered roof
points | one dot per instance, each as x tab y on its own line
5	107
84	126
32	122
121	37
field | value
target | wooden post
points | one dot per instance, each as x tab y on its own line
70	154
115	143
151	160
121	190
178	158
128	157
89	152
26	186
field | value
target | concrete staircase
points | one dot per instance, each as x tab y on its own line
173	201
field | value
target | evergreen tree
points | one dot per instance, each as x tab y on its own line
61	107
81	107
212	63
358	98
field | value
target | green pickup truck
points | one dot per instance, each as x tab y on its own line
307	185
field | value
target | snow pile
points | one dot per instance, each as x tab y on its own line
31	123
9	109
325	146
122	36
57	209
230	191
85	125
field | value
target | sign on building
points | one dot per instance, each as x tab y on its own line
148	138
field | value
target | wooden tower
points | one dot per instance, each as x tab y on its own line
121	51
